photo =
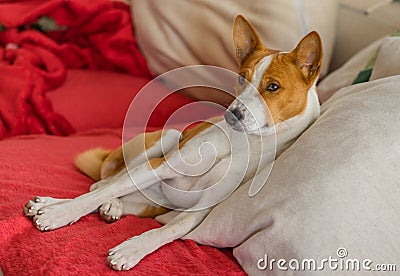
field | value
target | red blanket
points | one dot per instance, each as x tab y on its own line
39	40
42	165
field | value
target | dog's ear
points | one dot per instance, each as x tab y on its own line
309	55
245	38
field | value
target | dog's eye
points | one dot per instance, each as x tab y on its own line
241	79
272	87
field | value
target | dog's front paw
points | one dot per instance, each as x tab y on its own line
128	254
48	213
33	206
111	211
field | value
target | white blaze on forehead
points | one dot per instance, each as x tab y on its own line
260	69
250	102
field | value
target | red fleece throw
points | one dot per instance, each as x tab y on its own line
42	165
39	40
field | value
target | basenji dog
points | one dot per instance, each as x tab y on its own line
192	171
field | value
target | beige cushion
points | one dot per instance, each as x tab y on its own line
361	22
337	186
177	33
388	62
345	75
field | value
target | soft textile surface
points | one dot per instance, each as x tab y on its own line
98	99
40	39
337	186
378	60
346	74
388	61
40	164
95	99
177	33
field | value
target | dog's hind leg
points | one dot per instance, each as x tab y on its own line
147	203
99	163
138	150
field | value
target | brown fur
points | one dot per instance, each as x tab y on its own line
153	211
113	163
156	162
90	162
151	138
291	99
99	163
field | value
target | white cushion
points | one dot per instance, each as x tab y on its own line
388	61
337	186
177	33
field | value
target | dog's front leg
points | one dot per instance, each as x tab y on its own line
48	216
129	253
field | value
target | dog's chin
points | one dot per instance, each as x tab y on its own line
237	128
264	130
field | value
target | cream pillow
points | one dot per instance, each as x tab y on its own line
388	61
346	74
337	186
387	64
177	33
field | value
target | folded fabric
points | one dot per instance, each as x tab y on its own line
39	40
347	73
360	67
100	99
388	60
390	54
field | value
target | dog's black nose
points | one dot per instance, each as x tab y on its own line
232	116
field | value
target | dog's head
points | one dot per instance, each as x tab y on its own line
272	86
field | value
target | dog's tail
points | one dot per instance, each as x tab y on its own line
90	162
